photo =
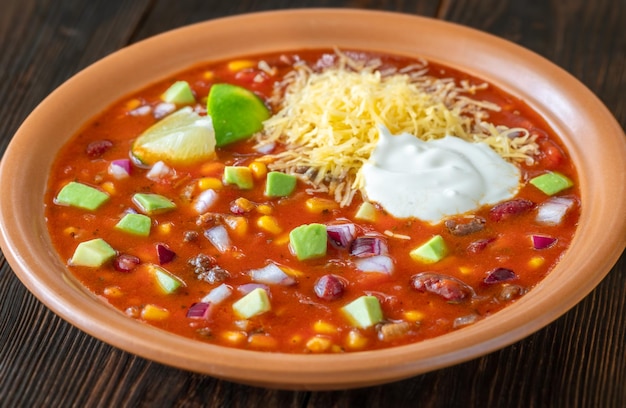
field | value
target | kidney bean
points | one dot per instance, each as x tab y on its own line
500	275
448	287
329	287
125	262
510	292
479	245
511	208
98	148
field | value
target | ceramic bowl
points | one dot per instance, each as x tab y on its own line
595	141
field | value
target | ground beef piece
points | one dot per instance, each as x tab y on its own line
206	269
475	224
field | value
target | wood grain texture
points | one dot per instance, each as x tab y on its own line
578	361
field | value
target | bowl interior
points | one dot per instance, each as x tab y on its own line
593	137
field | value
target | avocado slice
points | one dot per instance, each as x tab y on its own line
366	212
136	224
364	311
93	253
237	113
82	196
309	241
166	280
241	176
552	182
279	184
179	93
152	203
430	252
254	303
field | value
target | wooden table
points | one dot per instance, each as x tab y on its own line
579	360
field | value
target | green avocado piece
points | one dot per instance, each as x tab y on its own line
309	241
252	304
240	176
551	182
93	253
279	184
82	196
364	311
237	113
366	212
179	93
137	224
152	203
166	280
432	251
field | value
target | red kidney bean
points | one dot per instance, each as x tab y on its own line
98	148
125	262
448	287
479	245
508	209
500	275
329	287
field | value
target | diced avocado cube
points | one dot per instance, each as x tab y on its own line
166	280
432	251
137	224
179	93
551	182
366	212
152	203
364	311
82	196
93	253
240	176
309	241
279	184
252	304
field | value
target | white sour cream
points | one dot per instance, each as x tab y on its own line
432	180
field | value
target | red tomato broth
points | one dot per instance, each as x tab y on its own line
295	309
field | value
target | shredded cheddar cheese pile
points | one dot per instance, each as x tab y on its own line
329	119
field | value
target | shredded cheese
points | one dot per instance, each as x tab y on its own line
328	120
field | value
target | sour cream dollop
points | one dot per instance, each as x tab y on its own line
431	180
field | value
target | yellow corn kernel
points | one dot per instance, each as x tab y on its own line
262	341
282	240
356	340
206	183
318	344
269	224
245	204
109	187
324	327
208	75
133	104
212	168
465	270
238	65
264	209
71	231
239	225
294	273
112	291
536	261
152	312
295	339
165	228
336	348
258	169
234	337
318	205
413	315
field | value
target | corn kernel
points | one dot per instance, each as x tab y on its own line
413	315
269	224
245	204
295	339
165	228
212	168
112	291
264	209
318	344
465	270
238	65
206	183
356	340
239	225
318	205
133	104
282	240
262	341
71	231
258	169
109	187
234	337
336	348
208	75
294	273
536	261
366	212
324	327
152	312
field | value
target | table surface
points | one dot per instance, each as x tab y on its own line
579	360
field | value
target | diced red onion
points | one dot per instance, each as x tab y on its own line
249	287
271	274
218	236
542	241
164	254
500	275
552	211
266	148
163	109
377	263
119	169
141	111
368	246
205	201
341	235
199	310
329	287
125	262
160	171
218	294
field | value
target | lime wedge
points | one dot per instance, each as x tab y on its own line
237	113
182	138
